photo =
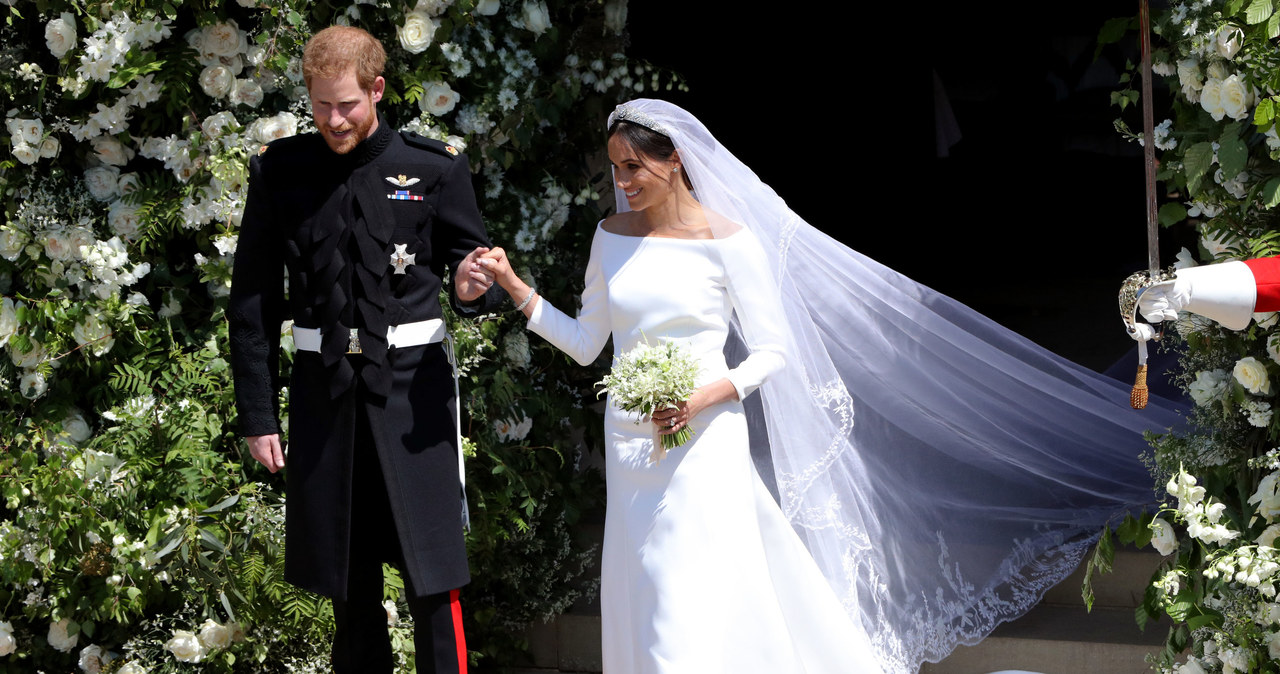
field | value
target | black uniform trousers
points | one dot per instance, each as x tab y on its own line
361	644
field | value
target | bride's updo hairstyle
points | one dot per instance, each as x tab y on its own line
648	143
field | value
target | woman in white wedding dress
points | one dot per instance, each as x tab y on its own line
978	471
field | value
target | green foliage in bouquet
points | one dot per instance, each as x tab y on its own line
136	534
1219	157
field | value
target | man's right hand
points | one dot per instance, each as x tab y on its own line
267	450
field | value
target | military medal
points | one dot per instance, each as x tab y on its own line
402	258
403	180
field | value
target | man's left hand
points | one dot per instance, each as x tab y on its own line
472	279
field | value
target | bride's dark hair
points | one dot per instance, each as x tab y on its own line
647	142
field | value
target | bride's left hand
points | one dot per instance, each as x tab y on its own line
672	420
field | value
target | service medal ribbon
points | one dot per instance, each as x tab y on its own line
403	195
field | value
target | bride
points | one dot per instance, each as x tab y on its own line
936	472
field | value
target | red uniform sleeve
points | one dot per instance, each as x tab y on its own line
1266	272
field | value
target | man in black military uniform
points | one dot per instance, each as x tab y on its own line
367	222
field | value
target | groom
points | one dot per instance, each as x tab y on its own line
367	221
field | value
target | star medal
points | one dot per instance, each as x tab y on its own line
401	258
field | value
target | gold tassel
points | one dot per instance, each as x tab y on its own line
1138	396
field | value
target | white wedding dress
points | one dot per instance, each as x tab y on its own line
701	572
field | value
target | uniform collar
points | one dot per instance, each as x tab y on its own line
371	147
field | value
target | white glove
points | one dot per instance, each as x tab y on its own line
1223	292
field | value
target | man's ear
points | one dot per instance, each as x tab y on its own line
379	85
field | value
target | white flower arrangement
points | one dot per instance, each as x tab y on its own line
652	377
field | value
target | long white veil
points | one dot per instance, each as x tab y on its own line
943	471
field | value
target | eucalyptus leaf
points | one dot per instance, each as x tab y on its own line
1258	11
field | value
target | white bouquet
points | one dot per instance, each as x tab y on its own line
653	377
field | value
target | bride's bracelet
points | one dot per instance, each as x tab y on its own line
527	298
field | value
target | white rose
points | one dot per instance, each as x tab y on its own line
58	245
111	151
1234	98
132	668
94	335
246	92
393	615
32	385
21	130
1191	667
1252	375
1209	99
12	242
50	147
615	15
58	637
417	32
8	644
27	154
216	125
1228	41
91	659
1162	537
185	646
1217	70
75	428
536	18
487	7
123	219
214	635
1268	536
223	39
103	182
60	34
216	80
1266	498
1189	74
275	127
437	98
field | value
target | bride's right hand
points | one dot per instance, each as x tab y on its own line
497	262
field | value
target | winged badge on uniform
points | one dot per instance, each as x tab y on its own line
403	181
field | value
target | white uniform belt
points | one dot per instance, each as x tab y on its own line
407	334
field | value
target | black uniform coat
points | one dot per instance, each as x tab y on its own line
336	222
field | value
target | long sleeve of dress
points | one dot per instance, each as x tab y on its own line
582	338
751	286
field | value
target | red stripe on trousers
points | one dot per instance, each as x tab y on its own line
455	607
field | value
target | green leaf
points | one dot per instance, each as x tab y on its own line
1271	193
1273	26
1233	154
1266	110
223	504
1258	11
1113	30
1205	620
1172	213
1232	7
1196	161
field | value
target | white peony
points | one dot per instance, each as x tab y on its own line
92	659
111	151
1162	537
216	80
124	219
50	147
8	319
277	126
223	39
8	644
214	126
1192	666
1234	98
1217	70
417	32
32	385
60	35
535	16
58	637
103	182
487	7
438	98
214	635
1252	375
1228	41
393	615
132	668
75	428
185	646
58	245
246	92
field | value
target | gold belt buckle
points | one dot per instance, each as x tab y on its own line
353	342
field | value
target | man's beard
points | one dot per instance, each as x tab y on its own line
349	143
